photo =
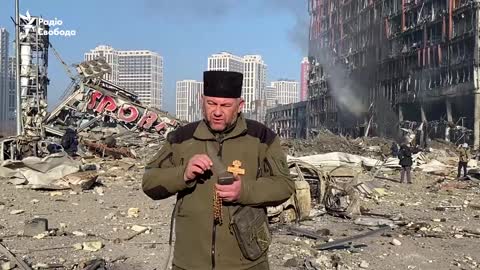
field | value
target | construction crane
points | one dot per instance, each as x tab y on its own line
74	79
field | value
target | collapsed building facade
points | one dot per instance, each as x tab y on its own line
378	66
89	100
284	120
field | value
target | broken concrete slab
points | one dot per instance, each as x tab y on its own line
80	181
367	221
92	246
39	171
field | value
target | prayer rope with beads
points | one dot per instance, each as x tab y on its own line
217	207
235	169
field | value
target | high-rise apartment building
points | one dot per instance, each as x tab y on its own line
138	71
271	96
286	91
12	90
142	73
188	100
225	61
254	82
254	79
4	82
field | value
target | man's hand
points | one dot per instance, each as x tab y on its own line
230	193
198	164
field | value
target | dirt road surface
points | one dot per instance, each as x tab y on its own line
433	239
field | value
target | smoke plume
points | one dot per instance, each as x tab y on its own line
298	9
342	88
215	11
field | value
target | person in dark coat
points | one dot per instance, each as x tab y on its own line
405	156
70	142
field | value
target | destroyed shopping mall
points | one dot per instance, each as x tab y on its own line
376	66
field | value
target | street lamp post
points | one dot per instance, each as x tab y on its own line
17	75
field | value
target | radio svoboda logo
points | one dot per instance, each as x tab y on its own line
30	25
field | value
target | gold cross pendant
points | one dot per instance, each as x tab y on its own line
235	168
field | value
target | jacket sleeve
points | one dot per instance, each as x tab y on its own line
163	178
270	190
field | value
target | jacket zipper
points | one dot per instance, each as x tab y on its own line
214	231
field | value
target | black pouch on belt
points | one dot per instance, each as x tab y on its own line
250	226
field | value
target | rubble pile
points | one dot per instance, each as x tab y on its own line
349	210
327	142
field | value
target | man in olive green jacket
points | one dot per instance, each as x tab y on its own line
184	167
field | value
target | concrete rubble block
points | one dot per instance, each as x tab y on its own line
139	229
99	191
8	265
133	212
41	266
92	246
41	235
364	264
396	242
81	180
77	246
367	221
77	233
35	226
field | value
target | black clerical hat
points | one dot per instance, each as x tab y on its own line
227	84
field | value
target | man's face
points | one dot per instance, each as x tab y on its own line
221	112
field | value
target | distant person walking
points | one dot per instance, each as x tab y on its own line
463	158
405	156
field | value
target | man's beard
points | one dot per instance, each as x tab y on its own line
229	127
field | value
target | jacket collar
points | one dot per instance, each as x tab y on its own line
203	132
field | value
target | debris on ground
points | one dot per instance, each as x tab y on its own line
349	210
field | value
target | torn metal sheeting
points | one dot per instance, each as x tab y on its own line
306	233
351	239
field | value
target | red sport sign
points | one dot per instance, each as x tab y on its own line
134	114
